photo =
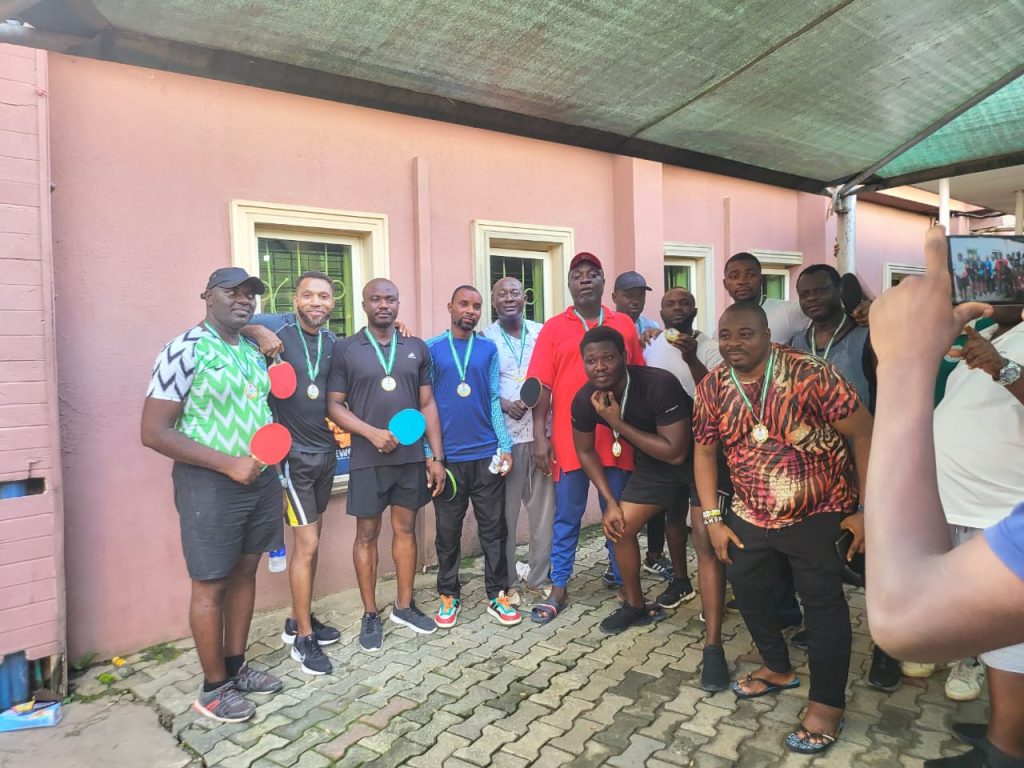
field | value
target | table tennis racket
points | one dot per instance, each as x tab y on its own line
271	443
408	426
530	391
851	291
282	379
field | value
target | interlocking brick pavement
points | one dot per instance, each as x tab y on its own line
560	694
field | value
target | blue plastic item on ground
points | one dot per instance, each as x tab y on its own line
13	680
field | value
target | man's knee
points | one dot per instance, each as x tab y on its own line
367	531
306	542
403	522
209	593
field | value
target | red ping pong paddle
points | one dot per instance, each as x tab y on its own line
271	443
282	379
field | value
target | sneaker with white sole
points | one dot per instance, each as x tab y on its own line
500	608
514	598
660	567
965	680
678	591
224	704
325	635
448	611
413	618
250	680
917	669
371	633
307	651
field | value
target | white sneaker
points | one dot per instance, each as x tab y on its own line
965	680
522	570
916	669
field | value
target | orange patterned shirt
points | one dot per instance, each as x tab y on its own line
804	467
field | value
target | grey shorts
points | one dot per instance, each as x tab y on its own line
372	489
221	520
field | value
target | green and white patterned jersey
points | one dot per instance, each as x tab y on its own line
207	376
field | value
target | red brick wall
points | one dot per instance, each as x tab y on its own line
31	540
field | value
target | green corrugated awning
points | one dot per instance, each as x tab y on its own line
803	94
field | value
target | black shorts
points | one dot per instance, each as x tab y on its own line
670	492
221	520
372	489
310	477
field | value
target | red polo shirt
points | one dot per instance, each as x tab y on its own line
557	363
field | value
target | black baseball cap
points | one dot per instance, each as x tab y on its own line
628	280
232	277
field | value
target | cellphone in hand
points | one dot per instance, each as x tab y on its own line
853	569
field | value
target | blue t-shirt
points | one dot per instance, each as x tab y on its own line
473	427
1006	539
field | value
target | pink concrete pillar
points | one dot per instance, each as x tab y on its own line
639	209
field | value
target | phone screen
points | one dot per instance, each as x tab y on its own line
988	268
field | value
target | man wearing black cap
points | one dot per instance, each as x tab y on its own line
629	294
206	399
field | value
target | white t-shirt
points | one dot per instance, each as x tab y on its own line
513	372
660	354
785	319
979	442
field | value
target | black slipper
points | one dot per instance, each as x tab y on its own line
770	687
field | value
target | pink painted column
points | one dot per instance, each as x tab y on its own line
639	209
32	604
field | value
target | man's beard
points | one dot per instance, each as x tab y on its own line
310	321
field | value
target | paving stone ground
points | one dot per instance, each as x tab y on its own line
536	695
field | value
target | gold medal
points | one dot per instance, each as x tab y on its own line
464	390
760	433
616	449
312	391
388	384
250	390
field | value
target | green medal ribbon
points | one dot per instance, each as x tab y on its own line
622	413
769	369
812	343
380	355
600	319
311	370
245	366
511	347
463	365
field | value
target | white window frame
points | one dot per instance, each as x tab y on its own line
701	258
366	232
553	244
780	263
892	269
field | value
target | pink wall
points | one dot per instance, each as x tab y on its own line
31	527
145	164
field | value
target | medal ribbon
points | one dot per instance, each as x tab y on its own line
511	348
464	364
312	371
769	369
812	343
245	366
600	319
622	406
380	355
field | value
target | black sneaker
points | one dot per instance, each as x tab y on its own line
608	578
731	604
250	680
678	591
325	635
714	672
800	639
371	633
413	618
624	617
307	651
971	734
976	758
885	672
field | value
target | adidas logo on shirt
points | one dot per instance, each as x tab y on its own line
412	355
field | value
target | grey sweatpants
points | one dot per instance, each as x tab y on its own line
526	484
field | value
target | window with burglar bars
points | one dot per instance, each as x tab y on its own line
529	271
679	276
282	261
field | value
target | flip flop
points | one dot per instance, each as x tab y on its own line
804	746
542	613
771	687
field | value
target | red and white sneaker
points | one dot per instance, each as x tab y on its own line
500	608
448	611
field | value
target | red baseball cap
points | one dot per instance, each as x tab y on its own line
583	256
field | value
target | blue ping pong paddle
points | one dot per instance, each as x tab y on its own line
407	426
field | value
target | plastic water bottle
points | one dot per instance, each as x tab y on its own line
277	561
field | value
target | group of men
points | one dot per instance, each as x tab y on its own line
761	433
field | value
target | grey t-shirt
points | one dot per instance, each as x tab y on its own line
305	418
357	373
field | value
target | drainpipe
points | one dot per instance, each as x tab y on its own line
1018	212
846	233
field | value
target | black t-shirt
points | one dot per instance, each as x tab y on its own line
656	399
304	418
356	372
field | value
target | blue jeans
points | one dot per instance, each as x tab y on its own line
570	504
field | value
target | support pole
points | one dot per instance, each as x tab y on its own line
846	233
1018	212
944	203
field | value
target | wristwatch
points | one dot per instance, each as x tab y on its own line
1009	373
